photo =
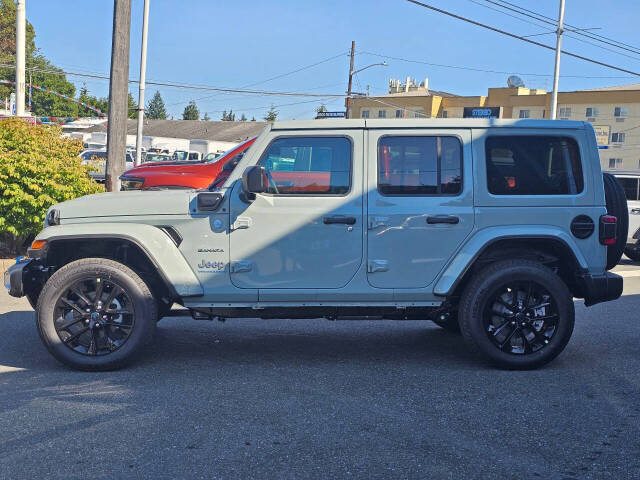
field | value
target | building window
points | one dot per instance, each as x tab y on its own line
615	163
525	113
592	112
533	165
365	113
422	165
399	114
564	112
418	113
620	112
618	137
382	114
308	166
445	114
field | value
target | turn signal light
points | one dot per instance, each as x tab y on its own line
38	244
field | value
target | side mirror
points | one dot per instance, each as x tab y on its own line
254	179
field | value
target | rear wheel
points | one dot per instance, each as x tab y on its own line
95	314
517	313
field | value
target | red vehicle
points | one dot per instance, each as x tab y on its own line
185	174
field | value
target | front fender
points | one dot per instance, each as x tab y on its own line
157	245
477	242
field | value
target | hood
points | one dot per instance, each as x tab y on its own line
129	203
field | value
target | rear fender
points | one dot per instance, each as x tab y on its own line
478	242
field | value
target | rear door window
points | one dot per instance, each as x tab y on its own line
533	165
425	165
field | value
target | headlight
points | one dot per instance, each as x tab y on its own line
131	183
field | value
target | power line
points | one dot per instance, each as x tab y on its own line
191	87
306	67
475	69
580	31
575	30
519	37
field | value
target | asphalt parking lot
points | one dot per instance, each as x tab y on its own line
318	399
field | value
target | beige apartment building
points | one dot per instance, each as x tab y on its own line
613	111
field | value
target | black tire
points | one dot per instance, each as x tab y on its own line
478	306
135	309
616	205
633	253
449	322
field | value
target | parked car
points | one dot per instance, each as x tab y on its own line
157	157
98	160
630	182
184	156
491	227
184	174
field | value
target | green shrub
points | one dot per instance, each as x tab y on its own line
38	168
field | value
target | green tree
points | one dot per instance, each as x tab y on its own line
321	109
101	104
243	118
156	109
271	115
132	107
38	168
253	119
191	112
206	117
42	104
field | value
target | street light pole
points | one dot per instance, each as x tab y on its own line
556	72
143	75
353	52
20	55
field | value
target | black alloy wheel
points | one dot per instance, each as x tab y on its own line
520	317
518	314
94	316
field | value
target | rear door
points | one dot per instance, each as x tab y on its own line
420	203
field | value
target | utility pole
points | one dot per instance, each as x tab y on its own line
20	55
353	52
118	92
143	76
556	72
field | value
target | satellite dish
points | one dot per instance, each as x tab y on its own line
515	81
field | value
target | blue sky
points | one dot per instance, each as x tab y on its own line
237	43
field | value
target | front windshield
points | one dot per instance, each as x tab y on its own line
157	158
180	155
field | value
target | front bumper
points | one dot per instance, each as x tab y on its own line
599	288
15	276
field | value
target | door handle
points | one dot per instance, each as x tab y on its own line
339	219
450	219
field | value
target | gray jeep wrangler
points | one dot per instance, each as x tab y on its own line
489	228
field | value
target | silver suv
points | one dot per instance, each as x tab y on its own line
488	228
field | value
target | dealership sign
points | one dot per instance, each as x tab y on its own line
482	112
602	134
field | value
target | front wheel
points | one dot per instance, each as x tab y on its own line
95	314
517	313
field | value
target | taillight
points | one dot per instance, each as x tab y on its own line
608	224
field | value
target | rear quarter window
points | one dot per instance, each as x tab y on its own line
533	165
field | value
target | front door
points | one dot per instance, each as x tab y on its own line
420	203
306	231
